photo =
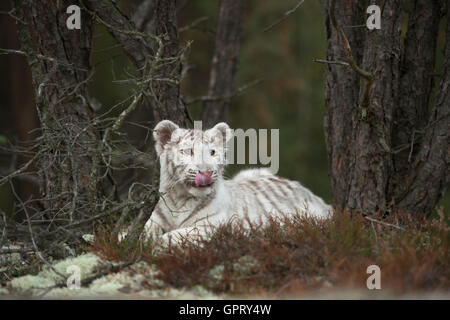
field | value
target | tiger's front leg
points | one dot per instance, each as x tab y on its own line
193	234
152	231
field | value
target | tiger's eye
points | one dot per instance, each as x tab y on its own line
213	152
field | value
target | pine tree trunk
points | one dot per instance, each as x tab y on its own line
386	151
59	58
224	62
429	175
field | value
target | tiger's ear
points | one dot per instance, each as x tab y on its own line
225	130
162	134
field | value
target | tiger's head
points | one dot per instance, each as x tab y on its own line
191	159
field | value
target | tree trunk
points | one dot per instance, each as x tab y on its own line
60	70
385	151
429	175
416	82
371	161
342	98
168	103
224	62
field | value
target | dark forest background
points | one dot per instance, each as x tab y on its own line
284	87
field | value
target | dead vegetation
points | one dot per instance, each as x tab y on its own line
296	256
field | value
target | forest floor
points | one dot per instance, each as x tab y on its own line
290	259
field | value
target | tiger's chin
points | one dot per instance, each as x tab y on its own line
200	191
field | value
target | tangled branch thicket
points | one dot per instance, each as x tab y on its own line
101	177
52	225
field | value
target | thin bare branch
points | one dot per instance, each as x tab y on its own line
285	16
385	223
331	62
346	45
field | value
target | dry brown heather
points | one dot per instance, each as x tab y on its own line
302	255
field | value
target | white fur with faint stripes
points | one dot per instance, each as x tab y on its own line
186	211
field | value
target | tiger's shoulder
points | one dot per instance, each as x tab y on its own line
250	174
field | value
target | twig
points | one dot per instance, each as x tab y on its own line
285	16
331	62
368	76
385	223
193	24
122	117
412	146
40	57
39	254
143	216
237	92
347	49
17	250
4	229
3	180
356	26
374	231
11	14
125	32
125	211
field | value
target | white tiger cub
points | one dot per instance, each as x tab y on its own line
195	197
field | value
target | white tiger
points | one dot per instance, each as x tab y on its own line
195	197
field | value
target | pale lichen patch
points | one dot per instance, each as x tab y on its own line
29	283
85	262
245	264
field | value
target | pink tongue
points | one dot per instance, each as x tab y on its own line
202	179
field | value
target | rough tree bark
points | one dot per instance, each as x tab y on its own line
342	97
371	160
224	62
429	175
385	151
59	58
416	82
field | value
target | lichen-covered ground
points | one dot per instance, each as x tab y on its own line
125	283
296	259
128	284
